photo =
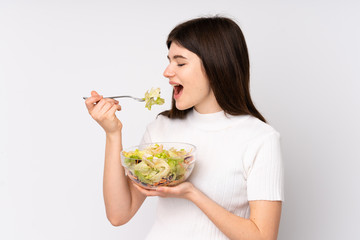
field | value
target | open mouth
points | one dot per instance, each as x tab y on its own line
178	89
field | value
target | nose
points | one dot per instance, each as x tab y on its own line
169	72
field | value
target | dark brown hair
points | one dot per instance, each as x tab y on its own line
220	44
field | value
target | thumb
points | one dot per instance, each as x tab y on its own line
94	93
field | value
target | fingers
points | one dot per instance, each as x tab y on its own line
90	102
105	109
97	103
149	193
113	109
105	105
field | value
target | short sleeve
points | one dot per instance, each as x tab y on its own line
265	180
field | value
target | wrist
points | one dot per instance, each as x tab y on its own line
113	135
192	193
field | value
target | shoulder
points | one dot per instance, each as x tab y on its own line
261	127
162	122
164	129
256	130
158	121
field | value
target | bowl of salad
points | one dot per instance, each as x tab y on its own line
159	164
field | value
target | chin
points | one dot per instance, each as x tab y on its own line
182	107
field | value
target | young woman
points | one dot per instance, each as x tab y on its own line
236	188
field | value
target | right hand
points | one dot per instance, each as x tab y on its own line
102	110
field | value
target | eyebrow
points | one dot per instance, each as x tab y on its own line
177	56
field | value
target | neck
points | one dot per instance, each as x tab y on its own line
212	107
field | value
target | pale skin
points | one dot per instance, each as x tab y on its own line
123	198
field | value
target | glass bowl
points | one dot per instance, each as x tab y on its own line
159	163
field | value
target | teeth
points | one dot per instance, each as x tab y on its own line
175	84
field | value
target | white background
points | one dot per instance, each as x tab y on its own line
305	61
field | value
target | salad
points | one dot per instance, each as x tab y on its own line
152	98
156	166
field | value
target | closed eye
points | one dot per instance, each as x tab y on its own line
180	65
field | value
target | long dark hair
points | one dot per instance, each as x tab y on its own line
220	44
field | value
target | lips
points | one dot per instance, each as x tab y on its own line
178	89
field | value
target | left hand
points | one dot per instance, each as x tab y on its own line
183	190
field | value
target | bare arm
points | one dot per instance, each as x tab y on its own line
263	223
122	200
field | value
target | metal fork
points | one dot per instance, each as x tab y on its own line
135	98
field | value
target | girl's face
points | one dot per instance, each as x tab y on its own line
188	78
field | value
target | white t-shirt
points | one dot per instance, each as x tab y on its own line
238	160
